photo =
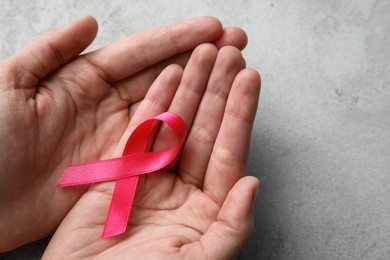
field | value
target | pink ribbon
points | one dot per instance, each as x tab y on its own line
126	169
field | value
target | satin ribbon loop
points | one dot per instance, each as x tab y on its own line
126	170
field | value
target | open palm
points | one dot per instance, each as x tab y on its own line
58	107
199	207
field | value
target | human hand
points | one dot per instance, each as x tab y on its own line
58	107
199	207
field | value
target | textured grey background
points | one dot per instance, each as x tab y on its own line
321	144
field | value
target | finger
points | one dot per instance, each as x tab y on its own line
50	51
230	151
201	139
134	88
191	90
131	55
156	101
234	226
232	36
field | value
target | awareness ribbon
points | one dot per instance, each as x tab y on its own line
125	170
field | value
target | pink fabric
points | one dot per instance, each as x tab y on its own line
126	169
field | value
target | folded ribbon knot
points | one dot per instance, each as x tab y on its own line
126	169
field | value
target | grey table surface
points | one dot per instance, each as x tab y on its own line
321	143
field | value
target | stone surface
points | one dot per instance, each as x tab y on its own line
321	144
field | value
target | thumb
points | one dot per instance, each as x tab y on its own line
50	51
234	226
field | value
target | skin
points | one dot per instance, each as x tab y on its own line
200	207
59	107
